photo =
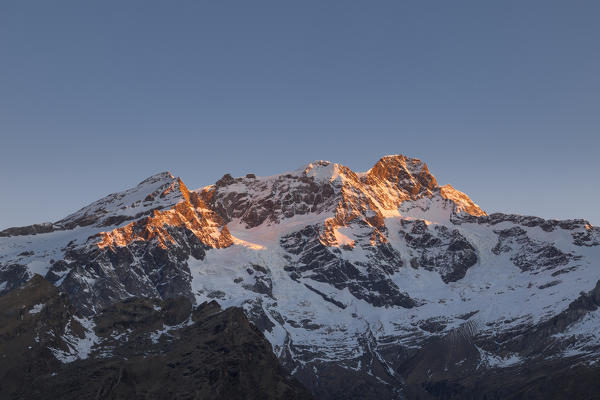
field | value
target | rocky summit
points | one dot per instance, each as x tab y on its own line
319	282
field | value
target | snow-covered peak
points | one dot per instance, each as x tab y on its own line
331	265
326	187
163	177
324	171
390	167
159	191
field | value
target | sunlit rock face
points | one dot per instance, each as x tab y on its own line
359	280
408	176
189	212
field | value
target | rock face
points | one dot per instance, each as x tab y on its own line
379	284
439	248
135	349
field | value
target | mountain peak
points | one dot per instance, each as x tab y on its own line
159	177
408	174
395	162
321	170
158	191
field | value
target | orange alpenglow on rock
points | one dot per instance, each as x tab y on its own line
373	195
191	213
461	201
366	198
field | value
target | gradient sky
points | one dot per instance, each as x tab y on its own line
501	99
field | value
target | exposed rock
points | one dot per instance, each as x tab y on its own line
447	252
320	263
13	276
30	229
216	355
528	253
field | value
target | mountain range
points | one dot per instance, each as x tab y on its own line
319	282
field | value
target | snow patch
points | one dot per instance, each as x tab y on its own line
79	348
492	361
36	308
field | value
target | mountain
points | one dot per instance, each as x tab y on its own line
380	284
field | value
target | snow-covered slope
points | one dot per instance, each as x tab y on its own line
353	277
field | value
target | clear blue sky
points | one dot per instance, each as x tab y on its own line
501	99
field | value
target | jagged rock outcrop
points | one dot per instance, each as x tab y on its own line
440	249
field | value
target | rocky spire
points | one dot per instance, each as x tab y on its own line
408	174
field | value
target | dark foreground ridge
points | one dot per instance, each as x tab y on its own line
208	354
